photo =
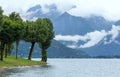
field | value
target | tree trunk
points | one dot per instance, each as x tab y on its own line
2	50
44	55
31	50
9	52
6	50
17	43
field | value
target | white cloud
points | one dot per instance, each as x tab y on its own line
92	38
106	8
115	31
74	38
72	46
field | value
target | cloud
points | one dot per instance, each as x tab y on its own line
92	38
74	38
72	46
15	5
85	8
106	8
114	32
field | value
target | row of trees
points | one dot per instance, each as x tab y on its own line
13	29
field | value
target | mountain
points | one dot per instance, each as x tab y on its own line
67	24
57	50
74	25
79	25
112	49
117	22
109	46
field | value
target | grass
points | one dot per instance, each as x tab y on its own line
11	61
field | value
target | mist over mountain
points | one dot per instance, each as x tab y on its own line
95	35
49	11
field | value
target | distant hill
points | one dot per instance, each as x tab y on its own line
57	50
111	49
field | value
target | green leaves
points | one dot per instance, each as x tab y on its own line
47	33
1	18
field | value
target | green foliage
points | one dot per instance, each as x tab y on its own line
31	34
1	16
6	30
47	34
17	24
1	19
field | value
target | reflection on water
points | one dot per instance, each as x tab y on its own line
68	68
33	71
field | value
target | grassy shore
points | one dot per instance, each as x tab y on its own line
11	61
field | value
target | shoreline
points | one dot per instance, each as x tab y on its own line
3	69
11	62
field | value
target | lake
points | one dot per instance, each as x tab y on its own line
69	68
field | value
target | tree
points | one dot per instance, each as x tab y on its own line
1	42
11	30
32	35
18	28
47	34
7	34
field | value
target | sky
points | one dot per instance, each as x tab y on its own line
109	9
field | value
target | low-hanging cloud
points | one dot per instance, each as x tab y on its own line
74	38
92	38
114	32
85	8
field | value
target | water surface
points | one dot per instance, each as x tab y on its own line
69	68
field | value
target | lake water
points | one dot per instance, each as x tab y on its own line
69	68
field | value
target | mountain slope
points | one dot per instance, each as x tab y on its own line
111	50
57	50
79	25
62	51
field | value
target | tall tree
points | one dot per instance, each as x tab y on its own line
32	35
47	34
18	28
1	42
7	33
